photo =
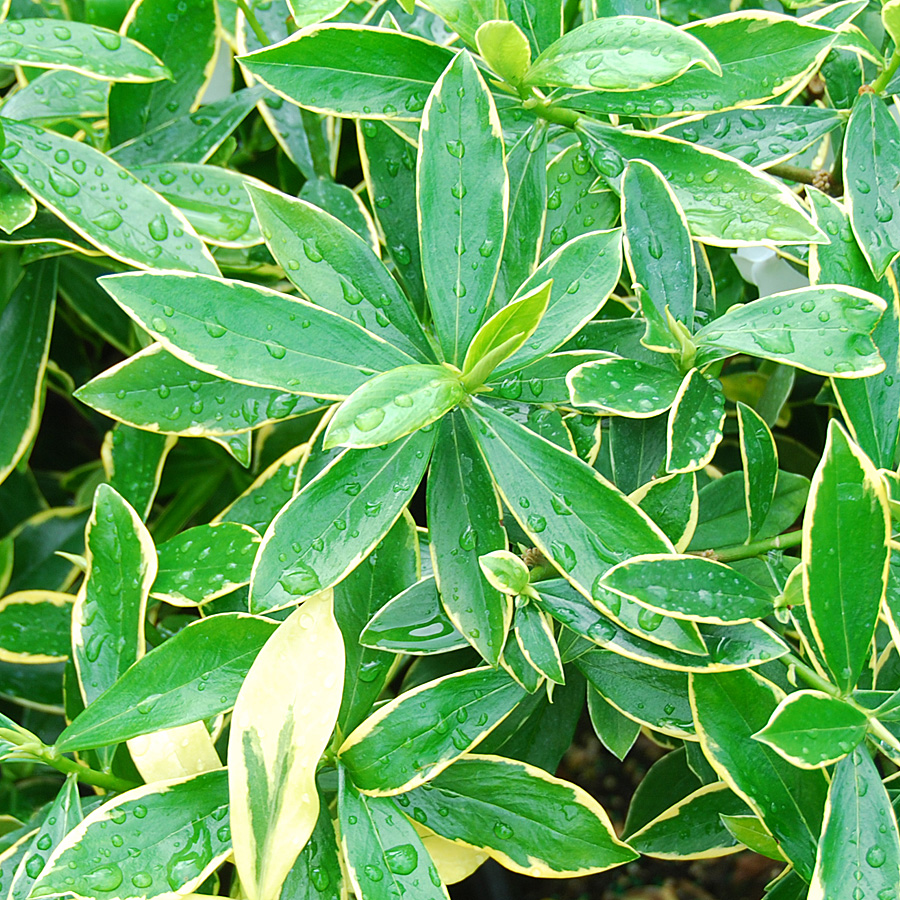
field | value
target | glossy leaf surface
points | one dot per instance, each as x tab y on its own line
695	423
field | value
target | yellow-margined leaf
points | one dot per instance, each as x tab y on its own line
283	719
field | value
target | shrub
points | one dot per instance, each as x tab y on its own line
494	429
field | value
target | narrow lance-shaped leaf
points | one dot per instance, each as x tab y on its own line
824	329
673	503
729	708
94	51
185	38
174	834
859	851
101	201
760	459
870	176
754	208
317	872
404	744
162	690
385	856
811	729
26	322
394	404
227	328
35	627
624	387
463	197
870	406
658	242
282	722
460	533
846	530
620	53
335	268
527	820
690	587
108	618
695	423
372	73
133	461
336	520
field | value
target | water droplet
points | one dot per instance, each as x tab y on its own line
456	149
275	350
108	220
300	580
158	228
467	539
108	39
876	856
104	878
649	620
373	873
34	865
536	523
369	420
320	878
214	328
402	860
142	879
503	831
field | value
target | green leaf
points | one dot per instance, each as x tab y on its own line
414	623
108	617
544	381
690	587
155	391
225	328
651	695
623	387
758	135
26	323
576	518
584	273
859	850
811	729
193	138
309	12
317	873
691	828
762	55
385	856
213	200
98	52
504	48
760	460
824	329
695	423
133	462
658	244
162	689
417	735
622	53
616	732
637	450
534	635
541	21
463	199
668	781
57	95
393	405
729	708
282	722
504	333
35	627
336	520
870	173
174	834
460	533
18	207
63	815
372	73
846	519
524	818
673	503
573	208
185	38
505	571
389	165
131	223
870	406
35	542
726	202
205	562
751	832
388	570
334	268
722	519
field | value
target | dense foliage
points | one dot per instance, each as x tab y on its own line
367	419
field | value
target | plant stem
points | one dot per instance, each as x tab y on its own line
881	82
757	548
253	22
792	173
556	114
85	774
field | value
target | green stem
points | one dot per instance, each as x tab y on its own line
556	114
253	22
881	82
86	775
792	173
757	548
